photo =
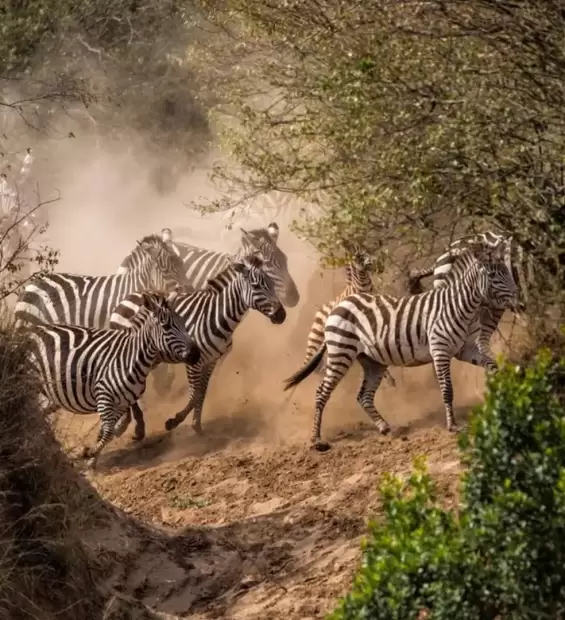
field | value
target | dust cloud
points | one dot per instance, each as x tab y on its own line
108	202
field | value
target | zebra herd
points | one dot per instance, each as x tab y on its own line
94	340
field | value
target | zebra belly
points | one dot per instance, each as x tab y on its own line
395	354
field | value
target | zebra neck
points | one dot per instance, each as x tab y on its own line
230	304
143	342
474	285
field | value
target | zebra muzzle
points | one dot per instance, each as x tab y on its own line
278	316
193	355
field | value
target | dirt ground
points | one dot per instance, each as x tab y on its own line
247	522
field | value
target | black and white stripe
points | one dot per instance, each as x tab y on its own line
211	316
455	260
104	371
450	264
434	326
201	264
357	280
87	301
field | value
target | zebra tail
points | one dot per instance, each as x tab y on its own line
307	370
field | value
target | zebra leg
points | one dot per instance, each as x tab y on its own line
442	366
373	375
472	354
336	367
139	432
109	417
389	378
200	397
122	424
193	375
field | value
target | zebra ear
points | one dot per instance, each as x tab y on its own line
172	296
166	235
273	230
248	239
148	301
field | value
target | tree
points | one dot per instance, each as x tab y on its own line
417	120
120	66
500	554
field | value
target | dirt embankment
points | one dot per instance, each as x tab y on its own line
246	522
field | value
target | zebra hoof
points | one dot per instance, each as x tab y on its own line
86	452
320	446
138	436
91	464
198	430
385	431
453	428
170	424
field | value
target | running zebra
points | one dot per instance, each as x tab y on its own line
201	264
88	301
435	326
449	263
357	280
211	316
104	371
452	263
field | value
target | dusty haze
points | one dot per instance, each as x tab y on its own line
108	202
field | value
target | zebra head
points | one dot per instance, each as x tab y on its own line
502	291
171	339
167	268
264	240
362	261
258	288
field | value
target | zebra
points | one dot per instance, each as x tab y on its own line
104	371
449	263
87	301
202	264
434	326
454	261
357	280
211	316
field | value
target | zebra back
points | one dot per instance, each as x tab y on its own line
211	314
87	301
201	264
454	261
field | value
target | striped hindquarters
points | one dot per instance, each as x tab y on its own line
73	360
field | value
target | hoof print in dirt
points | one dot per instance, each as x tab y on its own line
400	432
321	446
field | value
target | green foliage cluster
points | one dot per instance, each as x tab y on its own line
501	555
407	121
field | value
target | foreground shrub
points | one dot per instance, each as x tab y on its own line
501	556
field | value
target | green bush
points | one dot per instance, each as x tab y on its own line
501	555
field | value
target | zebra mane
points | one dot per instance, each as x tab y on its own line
262	234
154	240
228	273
